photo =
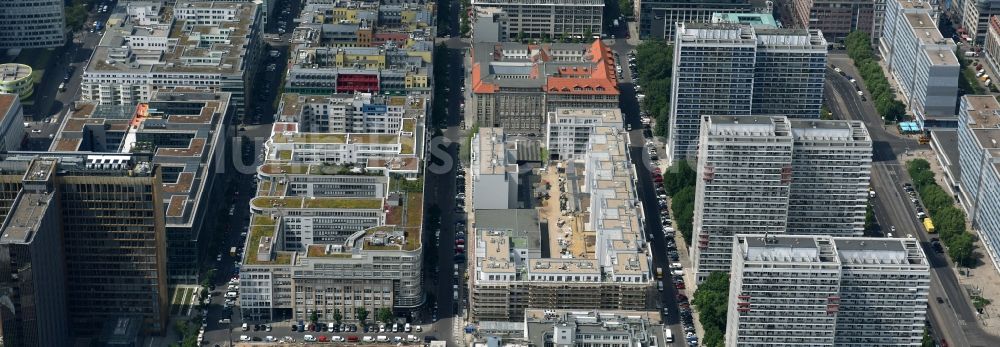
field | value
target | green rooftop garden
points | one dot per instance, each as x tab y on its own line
310	138
285	155
257	232
406	145
409	125
343	203
320	251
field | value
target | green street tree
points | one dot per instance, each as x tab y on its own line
361	313
960	250
337	315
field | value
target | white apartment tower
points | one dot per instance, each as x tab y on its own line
738	69
744	181
770	174
831	170
826	291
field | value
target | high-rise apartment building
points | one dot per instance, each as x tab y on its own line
549	19
837	18
514	85
979	157
774	175
826	291
831	170
32	24
658	18
922	62
745	172
99	202
737	69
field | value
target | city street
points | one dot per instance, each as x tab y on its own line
893	208
50	103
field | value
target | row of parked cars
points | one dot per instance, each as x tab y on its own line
676	269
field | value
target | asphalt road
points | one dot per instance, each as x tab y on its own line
647	191
955	319
52	103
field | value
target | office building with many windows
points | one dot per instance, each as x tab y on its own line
32	24
738	69
185	133
827	291
109	218
975	18
551	19
979	157
922	62
658	18
837	18
774	175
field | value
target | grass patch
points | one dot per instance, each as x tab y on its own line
980	302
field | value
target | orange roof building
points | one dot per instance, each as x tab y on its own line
513	84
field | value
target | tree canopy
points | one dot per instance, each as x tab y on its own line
712	300
859	48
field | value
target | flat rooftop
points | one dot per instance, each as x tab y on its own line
607	116
25	218
803	129
983	111
883	251
492	156
941	57
196	47
781	249
924	28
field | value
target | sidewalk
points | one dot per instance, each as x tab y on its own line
983	279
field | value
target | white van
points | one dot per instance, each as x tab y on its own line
382	338
678	272
369	338
676	266
668	335
329	327
407	327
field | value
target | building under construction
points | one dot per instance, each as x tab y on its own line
583	250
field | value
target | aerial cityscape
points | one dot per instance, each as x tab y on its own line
499	173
